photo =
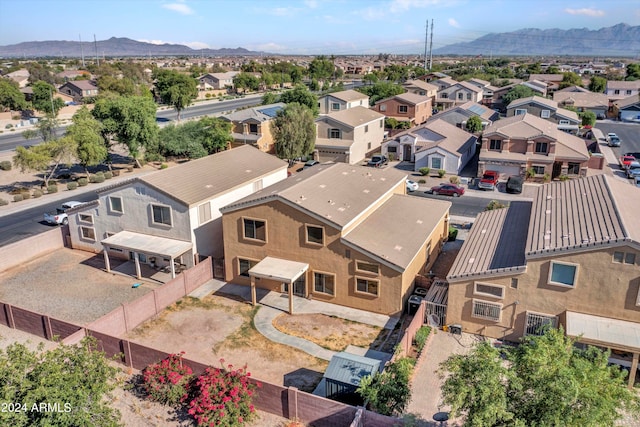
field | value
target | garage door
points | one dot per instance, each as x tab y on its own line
505	171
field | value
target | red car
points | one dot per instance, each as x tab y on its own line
447	190
625	160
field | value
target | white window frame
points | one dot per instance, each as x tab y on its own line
324	287
92	230
535	147
486	304
433	159
254	239
359	270
530	314
520	111
485	294
111	208
306	234
333	132
369	281
204	213
153	219
88	218
545	114
564	285
493	143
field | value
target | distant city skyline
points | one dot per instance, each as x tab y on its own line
339	27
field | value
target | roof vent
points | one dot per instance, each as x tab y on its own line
419	221
248	170
471	260
341	209
366	191
323	185
398	248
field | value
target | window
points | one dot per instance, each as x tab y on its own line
257	185
618	257
538	170
444	95
86	218
624	257
383	107
436	163
468	97
366	286
161	214
542	147
115	204
486	310
487	290
335	133
255	229
347	253
335	106
538	323
88	233
204	213
315	235
366	128
244	265
461	96
368	146
514	283
403	109
563	122
616	92
520	111
628	92
545	114
495	144
324	283
563	274
392	149
381	123
253	128
574	169
365	267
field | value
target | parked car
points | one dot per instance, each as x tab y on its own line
633	170
613	140
514	184
377	161
489	180
412	185
310	163
625	160
637	181
60	216
447	190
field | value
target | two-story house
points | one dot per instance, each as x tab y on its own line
406	107
570	258
343	100
460	114
458	94
217	81
343	234
551	81
347	136
597	103
548	109
627	109
620	89
253	126
436	145
527	143
420	87
175	212
79	89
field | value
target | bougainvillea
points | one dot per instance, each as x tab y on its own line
222	397
167	382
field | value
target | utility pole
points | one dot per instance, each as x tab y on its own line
95	43
81	50
431	48
426	41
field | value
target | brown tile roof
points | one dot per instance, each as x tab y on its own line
398	243
495	244
202	179
549	103
354	117
409	98
420	84
628	101
582	99
546	77
348	95
623	84
336	193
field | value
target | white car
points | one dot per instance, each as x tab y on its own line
60	215
412	185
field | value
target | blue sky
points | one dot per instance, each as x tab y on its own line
338	27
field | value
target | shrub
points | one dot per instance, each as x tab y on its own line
422	181
37	193
563	178
52	189
5	165
9	126
441	172
453	234
389	392
72	185
108	175
546	177
424	171
164	166
392	157
82	182
454	180
223	397
129	168
166	382
531	173
494	204
96	178
421	336
116	173
17	198
3	202
26	195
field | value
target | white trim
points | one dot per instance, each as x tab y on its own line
564	285
111	209
306	234
160	205
488	304
369	280
88	221
484	294
89	229
367	271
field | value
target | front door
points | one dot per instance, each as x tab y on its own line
298	287
406	153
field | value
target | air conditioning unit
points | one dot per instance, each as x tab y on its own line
464	181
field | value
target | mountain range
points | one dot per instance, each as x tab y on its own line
619	40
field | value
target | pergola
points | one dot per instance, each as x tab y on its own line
280	270
146	244
604	332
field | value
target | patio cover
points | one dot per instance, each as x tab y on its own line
281	270
147	244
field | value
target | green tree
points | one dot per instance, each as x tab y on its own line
588	118
301	95
246	81
216	134
86	132
45	157
10	96
294	131
598	84
570	79
129	120
45	128
474	124
518	92
321	68
123	86
381	90
43	99
388	392
370	78
633	71
545	381
176	89
195	139
269	98
77	378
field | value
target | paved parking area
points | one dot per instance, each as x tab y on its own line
68	285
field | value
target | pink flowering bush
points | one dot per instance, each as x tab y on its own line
222	397
167	382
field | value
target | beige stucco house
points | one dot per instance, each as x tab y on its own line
253	126
571	257
547	109
349	235
343	100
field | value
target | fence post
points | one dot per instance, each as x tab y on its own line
292	398
47	327
12	323
124	316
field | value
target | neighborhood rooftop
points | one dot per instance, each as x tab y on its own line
348	95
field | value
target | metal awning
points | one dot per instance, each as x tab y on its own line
603	331
147	244
282	270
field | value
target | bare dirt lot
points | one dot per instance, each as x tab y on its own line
68	285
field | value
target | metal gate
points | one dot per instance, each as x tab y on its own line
436	303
